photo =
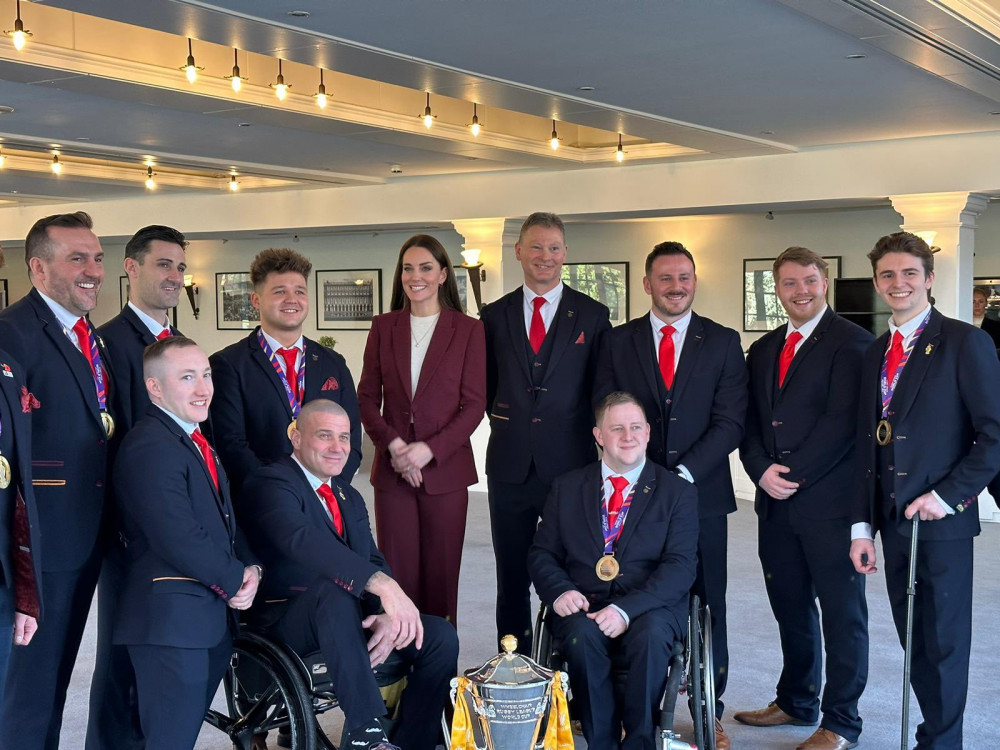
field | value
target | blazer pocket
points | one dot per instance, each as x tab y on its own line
179	585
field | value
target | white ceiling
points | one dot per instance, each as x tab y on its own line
729	78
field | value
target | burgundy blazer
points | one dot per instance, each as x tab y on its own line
446	408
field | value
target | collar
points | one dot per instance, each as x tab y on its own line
314	481
154	326
680	326
552	296
906	330
631	476
807	328
275	344
188	427
66	319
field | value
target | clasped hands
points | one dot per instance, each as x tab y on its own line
409	458
609	619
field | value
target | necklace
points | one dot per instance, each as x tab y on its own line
428	329
418	341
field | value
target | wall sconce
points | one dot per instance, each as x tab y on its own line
928	236
192	293
477	274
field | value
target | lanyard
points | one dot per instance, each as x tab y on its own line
888	389
278	364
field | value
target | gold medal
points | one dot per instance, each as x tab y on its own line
4	473
109	423
291	426
883	432
607	568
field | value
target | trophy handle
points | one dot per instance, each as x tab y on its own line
454	690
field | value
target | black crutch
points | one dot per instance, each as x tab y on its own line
911	595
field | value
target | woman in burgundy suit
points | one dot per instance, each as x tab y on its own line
422	393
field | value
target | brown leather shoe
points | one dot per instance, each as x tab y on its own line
721	738
771	716
824	739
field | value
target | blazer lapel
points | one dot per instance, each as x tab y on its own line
690	352
808	345
642	340
915	370
401	351
189	444
143	333
644	489
436	349
258	356
592	496
770	362
563	326
314	509
515	327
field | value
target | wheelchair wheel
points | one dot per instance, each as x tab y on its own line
264	692
701	676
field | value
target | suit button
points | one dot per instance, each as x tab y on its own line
100	441
535	420
668	402
892	495
891	467
775	423
527	390
98	483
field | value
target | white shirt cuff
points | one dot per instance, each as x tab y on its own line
682	470
862	530
620	611
947	508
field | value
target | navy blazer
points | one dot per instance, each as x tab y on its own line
180	537
701	422
552	426
945	417
657	550
286	524
808	424
15	445
69	448
250	411
126	338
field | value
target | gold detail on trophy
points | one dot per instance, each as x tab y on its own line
508	643
883	432
607	568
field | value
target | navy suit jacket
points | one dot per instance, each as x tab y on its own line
808	424
945	417
250	411
181	540
552	426
701	422
287	526
657	549
126	338
19	535
68	444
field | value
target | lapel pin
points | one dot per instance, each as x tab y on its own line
929	349
645	490
7	373
315	358
569	313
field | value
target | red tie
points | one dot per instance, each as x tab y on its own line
617	498
894	357
290	356
82	331
164	334
536	334
326	493
787	355
206	453
667	356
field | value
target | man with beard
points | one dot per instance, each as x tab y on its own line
799	451
155	265
689	374
262	381
68	390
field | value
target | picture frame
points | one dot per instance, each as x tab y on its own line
347	299
233	310
4	294
462	281
123	290
606	282
762	311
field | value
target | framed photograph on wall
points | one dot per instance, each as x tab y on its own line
462	280
233	310
762	311
4	296
347	300
123	289
605	282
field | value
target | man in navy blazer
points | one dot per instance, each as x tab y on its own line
541	353
263	380
630	613
928	442
69	390
328	587
799	451
693	386
186	576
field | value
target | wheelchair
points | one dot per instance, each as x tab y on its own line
691	671
270	688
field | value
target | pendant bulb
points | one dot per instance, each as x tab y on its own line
554	141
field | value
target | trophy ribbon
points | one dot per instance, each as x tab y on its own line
611	532
558	734
461	725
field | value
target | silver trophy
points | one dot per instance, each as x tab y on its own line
508	699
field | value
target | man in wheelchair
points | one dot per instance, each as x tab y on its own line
328	587
614	557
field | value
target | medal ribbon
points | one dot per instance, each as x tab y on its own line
888	389
278	364
612	533
97	369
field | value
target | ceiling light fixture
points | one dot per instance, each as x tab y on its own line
321	92
427	116
150	182
620	154
56	166
280	89
236	80
475	127
189	68
554	140
18	35
233	184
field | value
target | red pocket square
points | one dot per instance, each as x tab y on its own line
331	384
28	401
580	339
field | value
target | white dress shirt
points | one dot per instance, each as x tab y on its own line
548	311
66	319
275	345
315	482
154	326
806	329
